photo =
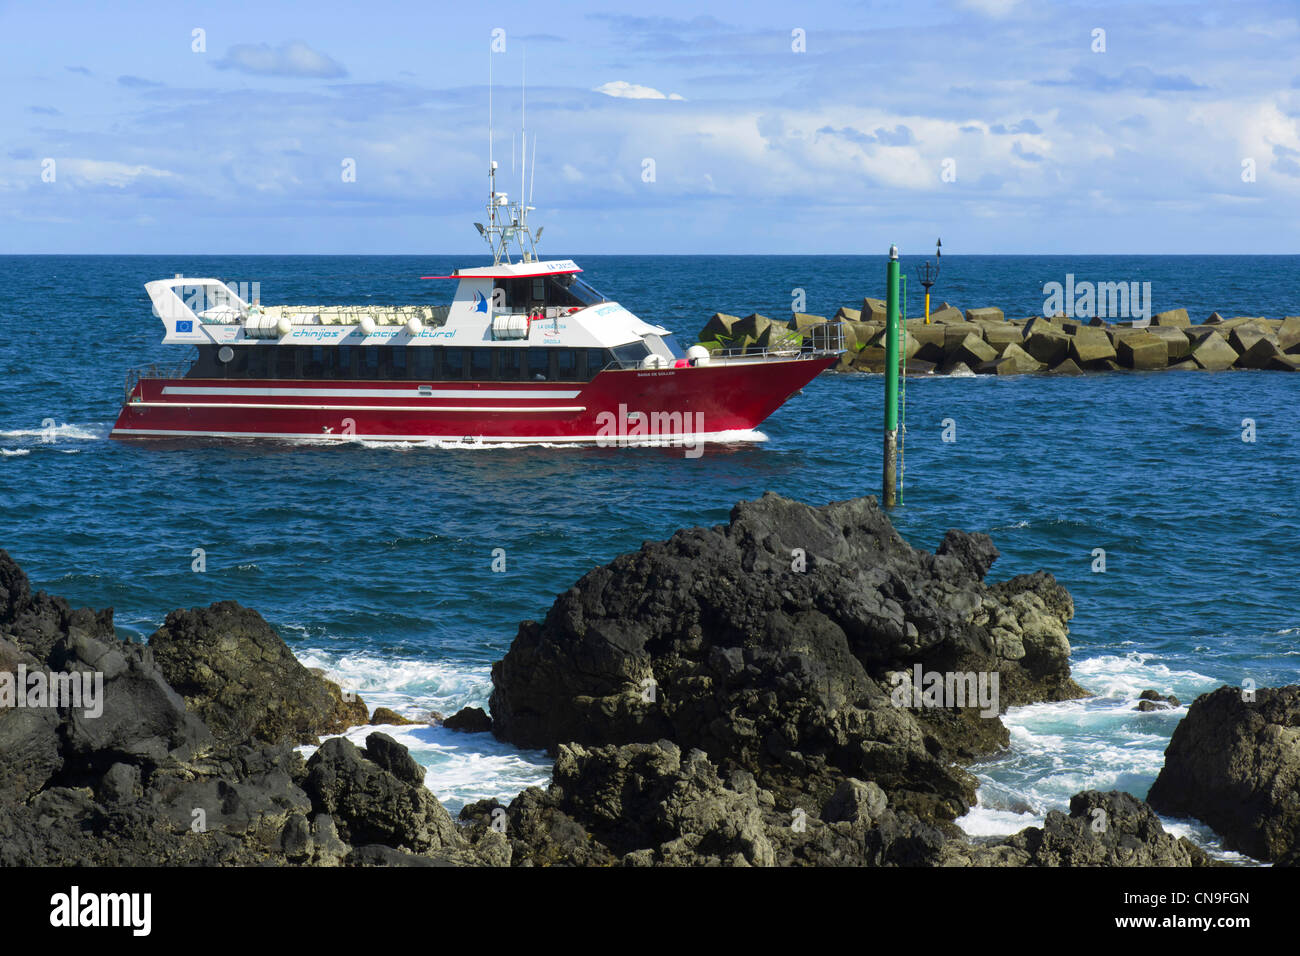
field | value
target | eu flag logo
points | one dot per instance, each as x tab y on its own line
185	325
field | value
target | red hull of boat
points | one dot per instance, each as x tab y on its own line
703	399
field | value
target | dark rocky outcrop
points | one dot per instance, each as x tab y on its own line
1150	700
1101	829
654	805
377	796
470	720
239	677
1234	763
769	644
148	782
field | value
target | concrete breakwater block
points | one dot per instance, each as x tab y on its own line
1046	343
1179	345
874	310
1214	353
1260	355
1091	346
947	315
1002	336
803	322
973	351
1288	333
1174	318
1142	351
1016	361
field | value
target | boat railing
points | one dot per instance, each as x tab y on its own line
818	341
156	370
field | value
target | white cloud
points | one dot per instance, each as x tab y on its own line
98	172
991	8
289	59
634	91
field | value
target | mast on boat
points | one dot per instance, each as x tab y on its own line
507	222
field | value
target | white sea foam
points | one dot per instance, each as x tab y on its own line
14	452
730	437
1099	743
460	767
91	432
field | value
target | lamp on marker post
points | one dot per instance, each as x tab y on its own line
928	274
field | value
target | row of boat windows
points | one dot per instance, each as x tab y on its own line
429	363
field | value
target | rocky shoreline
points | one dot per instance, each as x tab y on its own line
757	693
983	341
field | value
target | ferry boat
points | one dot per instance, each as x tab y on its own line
527	351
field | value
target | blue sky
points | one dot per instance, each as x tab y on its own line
1048	144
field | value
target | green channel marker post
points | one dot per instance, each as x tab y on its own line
891	380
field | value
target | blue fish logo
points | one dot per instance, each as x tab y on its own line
480	303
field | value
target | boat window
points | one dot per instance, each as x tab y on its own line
341	367
259	360
508	364
453	363
319	358
568	290
480	364
665	345
596	360
630	354
539	364
566	364
286	361
396	361
368	366
421	363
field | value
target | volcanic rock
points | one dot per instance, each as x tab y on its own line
238	676
470	720
1234	763
147	782
769	644
1150	700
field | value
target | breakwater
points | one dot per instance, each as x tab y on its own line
984	341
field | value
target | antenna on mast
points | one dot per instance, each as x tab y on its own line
532	178
509	220
523	126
